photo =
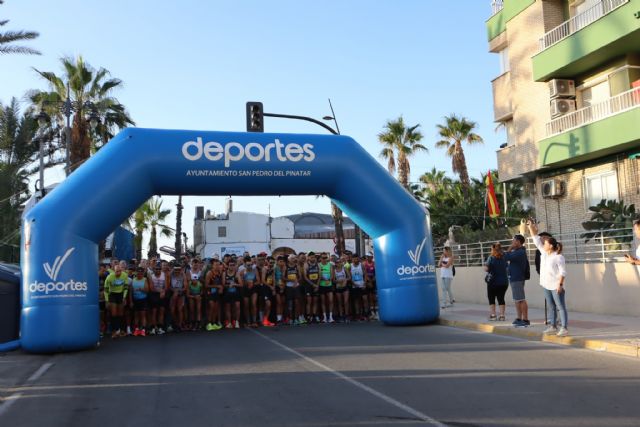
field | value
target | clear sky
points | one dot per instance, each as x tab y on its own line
194	64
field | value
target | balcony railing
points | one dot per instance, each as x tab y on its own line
579	21
615	105
496	6
605	246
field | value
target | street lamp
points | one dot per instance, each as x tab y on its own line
43	119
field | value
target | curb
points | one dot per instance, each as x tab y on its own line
632	350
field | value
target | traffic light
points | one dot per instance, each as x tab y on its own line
255	117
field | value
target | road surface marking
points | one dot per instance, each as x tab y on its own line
9	401
40	372
388	399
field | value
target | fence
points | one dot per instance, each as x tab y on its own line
614	105
579	21
496	6
604	246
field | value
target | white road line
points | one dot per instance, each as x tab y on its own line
9	401
40	372
390	400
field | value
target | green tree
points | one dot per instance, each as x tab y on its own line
453	133
156	218
139	223
435	180
8	37
18	150
86	88
400	143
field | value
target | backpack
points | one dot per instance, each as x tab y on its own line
527	271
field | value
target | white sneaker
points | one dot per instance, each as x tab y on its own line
152	331
236	325
550	330
169	328
128	330
563	332
160	331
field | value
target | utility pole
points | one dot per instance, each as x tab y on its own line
178	245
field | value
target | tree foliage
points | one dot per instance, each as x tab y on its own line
454	132
610	215
451	208
400	143
86	88
18	150
7	39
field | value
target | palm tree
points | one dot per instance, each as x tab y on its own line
400	142
453	133
156	218
14	36
336	214
139	222
435	180
85	88
18	150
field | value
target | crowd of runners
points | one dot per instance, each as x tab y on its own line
153	297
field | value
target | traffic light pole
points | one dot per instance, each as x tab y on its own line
308	119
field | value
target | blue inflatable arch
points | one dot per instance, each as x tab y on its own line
60	235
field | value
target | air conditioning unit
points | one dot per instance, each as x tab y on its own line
562	88
560	107
553	188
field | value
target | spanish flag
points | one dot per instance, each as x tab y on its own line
492	201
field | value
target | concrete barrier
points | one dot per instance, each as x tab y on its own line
603	288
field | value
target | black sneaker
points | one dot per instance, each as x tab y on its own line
526	323
516	322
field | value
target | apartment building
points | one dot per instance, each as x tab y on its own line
568	97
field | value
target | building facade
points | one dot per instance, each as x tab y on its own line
568	97
239	232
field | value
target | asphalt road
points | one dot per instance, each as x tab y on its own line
322	375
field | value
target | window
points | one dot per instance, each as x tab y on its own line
511	132
222	231
601	186
504	60
593	94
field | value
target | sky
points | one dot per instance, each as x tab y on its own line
194	64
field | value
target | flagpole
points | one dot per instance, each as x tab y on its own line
504	194
484	214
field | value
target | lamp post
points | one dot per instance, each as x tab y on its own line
42	123
178	245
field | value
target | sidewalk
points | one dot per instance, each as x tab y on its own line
613	334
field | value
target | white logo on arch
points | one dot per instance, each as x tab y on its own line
52	271
415	256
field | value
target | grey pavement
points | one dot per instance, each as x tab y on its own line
322	375
615	334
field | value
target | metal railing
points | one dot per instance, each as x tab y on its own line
578	22
614	105
604	246
496	6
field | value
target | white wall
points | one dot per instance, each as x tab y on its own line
609	288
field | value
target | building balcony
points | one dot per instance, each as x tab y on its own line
502	107
607	30
598	130
496	6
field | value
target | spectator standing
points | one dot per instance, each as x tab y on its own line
635	259
517	269
446	276
496	266
552	277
